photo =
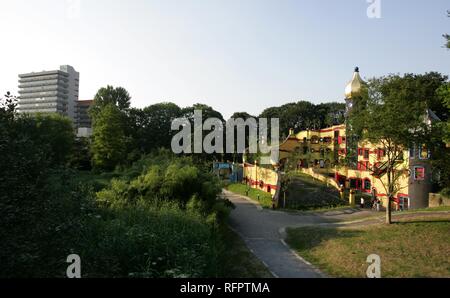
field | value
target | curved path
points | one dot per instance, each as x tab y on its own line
260	229
263	231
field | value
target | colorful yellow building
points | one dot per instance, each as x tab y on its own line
323	152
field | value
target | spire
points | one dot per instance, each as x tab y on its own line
353	88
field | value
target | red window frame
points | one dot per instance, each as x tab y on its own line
363	165
419	173
366	153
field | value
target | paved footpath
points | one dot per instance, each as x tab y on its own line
263	231
260	230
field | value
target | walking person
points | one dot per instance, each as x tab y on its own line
362	203
373	198
377	204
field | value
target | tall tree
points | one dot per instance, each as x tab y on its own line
443	94
112	104
151	126
392	113
110	95
207	113
236	155
109	142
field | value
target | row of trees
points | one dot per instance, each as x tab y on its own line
121	134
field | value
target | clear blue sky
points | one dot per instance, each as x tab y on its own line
235	55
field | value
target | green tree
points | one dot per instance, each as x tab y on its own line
237	156
441	153
443	94
151	126
207	112
304	115
110	95
119	98
109	142
392	113
56	133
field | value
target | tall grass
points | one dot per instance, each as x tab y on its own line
264	198
162	220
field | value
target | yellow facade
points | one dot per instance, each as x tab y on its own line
265	179
320	151
325	153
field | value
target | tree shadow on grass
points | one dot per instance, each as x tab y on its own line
418	221
306	238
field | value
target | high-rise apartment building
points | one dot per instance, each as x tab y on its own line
54	91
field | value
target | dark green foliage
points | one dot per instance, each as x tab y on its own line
81	159
39	227
109	142
151	126
112	143
305	115
393	111
443	94
150	229
56	133
207	112
166	178
161	223
118	97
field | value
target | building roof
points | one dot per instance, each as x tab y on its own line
85	102
354	87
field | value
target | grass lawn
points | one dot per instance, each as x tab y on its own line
240	262
419	248
265	199
441	208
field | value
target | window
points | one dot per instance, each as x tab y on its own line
367	184
412	152
322	152
363	165
424	153
366	153
360	152
381	153
419	173
314	140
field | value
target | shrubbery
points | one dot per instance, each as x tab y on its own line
160	218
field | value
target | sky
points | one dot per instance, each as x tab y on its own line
234	55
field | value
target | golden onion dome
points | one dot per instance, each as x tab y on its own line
354	86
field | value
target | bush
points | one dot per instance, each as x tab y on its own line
149	241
